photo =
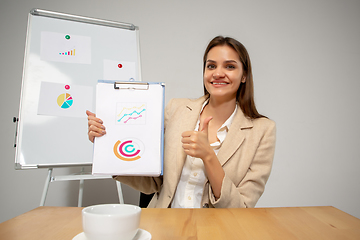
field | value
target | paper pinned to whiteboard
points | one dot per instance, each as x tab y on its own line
67	48
119	70
65	100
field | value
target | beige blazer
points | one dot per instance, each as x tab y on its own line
246	156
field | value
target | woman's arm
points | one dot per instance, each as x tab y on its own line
196	144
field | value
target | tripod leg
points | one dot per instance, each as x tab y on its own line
121	198
46	187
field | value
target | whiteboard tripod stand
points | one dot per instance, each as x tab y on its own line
104	40
82	176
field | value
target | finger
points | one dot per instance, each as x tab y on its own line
185	141
93	134
193	138
90	113
190	146
95	129
205	124
186	148
92	116
189	152
186	134
95	119
96	124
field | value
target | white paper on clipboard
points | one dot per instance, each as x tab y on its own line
133	116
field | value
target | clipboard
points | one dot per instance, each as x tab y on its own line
133	114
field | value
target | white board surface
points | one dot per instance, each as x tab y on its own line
64	59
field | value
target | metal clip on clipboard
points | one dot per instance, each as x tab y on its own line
131	85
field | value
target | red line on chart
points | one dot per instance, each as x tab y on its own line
132	118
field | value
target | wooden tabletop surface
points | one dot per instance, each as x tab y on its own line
256	223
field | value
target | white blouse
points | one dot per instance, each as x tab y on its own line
190	188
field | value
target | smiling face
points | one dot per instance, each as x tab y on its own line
223	73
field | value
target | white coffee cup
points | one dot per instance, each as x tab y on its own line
111	221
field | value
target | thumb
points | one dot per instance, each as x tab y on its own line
205	124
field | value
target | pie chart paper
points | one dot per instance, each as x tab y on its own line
58	99
65	100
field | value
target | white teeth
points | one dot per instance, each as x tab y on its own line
219	83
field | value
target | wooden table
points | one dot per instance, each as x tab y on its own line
172	224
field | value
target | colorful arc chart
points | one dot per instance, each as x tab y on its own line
127	150
64	100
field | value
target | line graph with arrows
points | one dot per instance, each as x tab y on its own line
130	113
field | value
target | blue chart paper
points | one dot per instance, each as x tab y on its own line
133	117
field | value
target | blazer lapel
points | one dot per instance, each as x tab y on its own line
234	137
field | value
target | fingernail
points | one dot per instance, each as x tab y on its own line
103	131
100	121
103	127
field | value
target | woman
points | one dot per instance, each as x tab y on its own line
218	148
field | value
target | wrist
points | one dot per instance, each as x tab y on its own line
210	157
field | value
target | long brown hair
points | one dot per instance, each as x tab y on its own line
245	93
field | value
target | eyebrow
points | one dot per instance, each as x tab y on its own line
227	61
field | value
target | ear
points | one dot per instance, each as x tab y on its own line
243	79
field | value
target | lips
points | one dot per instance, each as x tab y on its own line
219	83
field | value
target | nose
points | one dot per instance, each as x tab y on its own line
218	73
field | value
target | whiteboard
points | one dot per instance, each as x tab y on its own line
65	56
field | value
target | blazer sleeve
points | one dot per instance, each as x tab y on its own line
146	185
248	191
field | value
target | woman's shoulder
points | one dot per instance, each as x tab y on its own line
264	120
180	102
264	124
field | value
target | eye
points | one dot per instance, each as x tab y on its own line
211	66
230	66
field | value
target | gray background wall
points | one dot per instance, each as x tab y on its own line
306	63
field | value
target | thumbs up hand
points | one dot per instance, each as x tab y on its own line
196	143
204	126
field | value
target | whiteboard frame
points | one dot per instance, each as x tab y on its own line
69	17
77	18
